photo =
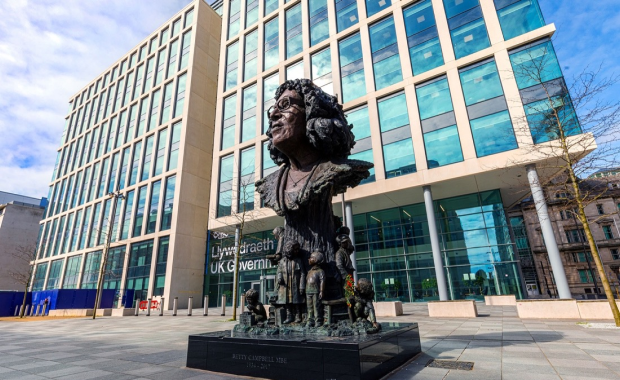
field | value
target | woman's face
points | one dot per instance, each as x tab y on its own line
288	127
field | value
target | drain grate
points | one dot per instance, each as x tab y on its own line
449	364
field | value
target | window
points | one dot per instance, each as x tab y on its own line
467	28
246	181
122	125
53	278
168	206
575	236
232	58
544	116
518	17
582	257
120	90
346	14
91	270
351	68
268	165
153	208
319	25
126	223
295	71
251	52
76	190
66	238
608	232
187	39
172	60
225	192
76	231
422	37
270	85
58	237
585	275
487	109
396	136
176	27
175	142
105	221
131	124
167	106
189	18
234	18
535	64
139	269
148	156
113	173
228	127
96	226
385	58
160	161
137	88
248	126
72	272
160	268
294	42
180	99
322	70
251	12
362	150
103	177
600	210
165	34
441	138
271	48
161	65
270	6
85	228
114	268
133	175
614	254
39	277
111	94
150	70
138	219
375	6
142	53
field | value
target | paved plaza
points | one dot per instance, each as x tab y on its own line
501	345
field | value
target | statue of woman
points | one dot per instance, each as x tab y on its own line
310	139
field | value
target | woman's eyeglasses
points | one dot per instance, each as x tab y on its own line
284	104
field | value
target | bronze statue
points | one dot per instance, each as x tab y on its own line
343	259
363	309
278	234
315	286
291	280
310	139
255	306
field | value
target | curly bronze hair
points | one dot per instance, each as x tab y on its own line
251	294
364	289
326	125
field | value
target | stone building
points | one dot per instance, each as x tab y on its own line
604	216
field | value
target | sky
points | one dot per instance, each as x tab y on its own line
49	50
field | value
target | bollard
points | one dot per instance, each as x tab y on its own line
223	305
32	311
242	302
27	310
189	306
161	307
16	310
36	313
174	306
137	307
206	311
148	308
44	309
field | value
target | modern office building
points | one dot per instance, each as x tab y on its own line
441	103
19	224
144	129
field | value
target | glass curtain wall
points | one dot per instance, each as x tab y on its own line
396	136
385	57
294	37
467	28
422	37
139	269
393	249
353	83
362	150
517	17
346	14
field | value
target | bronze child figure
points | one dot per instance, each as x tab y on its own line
343	259
291	280
255	306
278	234
315	286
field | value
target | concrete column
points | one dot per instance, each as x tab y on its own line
348	215
432	229
547	231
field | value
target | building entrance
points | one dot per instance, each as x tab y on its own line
267	288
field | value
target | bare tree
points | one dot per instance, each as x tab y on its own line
22	272
241	217
574	130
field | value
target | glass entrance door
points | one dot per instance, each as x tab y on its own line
267	289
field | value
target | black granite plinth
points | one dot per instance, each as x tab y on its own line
306	357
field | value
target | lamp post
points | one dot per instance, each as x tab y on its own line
117	195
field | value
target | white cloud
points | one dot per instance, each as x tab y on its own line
49	50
